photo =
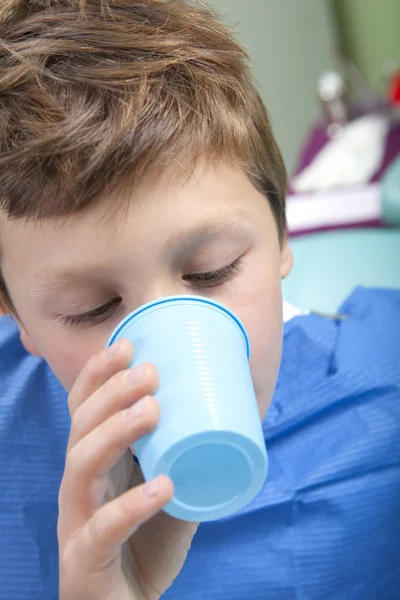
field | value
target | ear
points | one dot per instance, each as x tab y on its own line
286	258
28	342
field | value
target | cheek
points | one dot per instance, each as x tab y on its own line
262	316
67	359
266	350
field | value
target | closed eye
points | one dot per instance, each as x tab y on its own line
93	317
102	313
213	278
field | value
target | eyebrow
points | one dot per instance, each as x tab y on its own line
50	277
219	226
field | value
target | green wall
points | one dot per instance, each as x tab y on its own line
370	34
291	42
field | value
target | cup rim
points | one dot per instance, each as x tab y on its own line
177	299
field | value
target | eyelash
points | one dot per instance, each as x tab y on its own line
94	317
102	313
214	278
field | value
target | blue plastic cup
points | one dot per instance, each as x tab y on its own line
209	439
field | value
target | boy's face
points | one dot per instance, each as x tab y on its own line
173	233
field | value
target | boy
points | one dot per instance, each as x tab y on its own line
137	161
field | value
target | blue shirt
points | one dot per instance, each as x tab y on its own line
325	526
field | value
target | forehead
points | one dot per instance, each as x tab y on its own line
160	212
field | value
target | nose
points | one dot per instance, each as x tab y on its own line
163	289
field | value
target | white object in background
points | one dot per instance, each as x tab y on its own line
331	91
330	85
350	159
290	311
347	206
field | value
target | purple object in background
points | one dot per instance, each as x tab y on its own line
318	137
314	143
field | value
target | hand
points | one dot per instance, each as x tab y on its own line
115	544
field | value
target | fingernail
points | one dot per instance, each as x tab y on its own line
112	350
133	376
151	489
134	411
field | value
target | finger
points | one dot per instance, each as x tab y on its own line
98	370
119	392
101	538
92	457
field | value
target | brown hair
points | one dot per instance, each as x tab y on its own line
93	93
